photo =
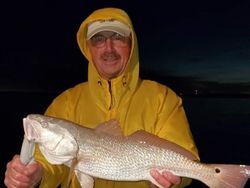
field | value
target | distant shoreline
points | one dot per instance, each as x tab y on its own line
201	95
223	95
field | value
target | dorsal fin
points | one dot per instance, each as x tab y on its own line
111	127
144	137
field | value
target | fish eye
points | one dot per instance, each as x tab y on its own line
44	124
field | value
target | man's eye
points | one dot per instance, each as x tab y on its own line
117	36
98	38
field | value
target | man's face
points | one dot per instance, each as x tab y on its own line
110	53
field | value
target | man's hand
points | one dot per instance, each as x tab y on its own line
166	179
18	175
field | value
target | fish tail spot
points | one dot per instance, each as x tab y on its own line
217	170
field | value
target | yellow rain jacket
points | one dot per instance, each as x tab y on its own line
135	103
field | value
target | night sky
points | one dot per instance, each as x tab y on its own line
197	45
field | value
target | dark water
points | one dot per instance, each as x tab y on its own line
221	129
221	126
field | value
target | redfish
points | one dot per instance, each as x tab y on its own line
105	153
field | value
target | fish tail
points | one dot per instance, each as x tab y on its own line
228	176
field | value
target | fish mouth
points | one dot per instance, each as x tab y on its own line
32	130
29	130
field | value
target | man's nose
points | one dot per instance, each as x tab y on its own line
109	44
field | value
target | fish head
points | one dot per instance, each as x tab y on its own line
56	143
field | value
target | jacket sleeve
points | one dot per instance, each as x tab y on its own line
172	124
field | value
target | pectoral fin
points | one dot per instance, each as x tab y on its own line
85	180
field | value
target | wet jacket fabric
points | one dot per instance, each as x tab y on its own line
135	103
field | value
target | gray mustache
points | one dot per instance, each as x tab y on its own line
110	55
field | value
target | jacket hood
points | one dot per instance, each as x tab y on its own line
131	74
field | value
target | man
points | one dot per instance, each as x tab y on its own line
113	90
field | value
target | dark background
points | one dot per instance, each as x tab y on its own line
198	48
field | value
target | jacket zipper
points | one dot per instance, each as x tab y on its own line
111	95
